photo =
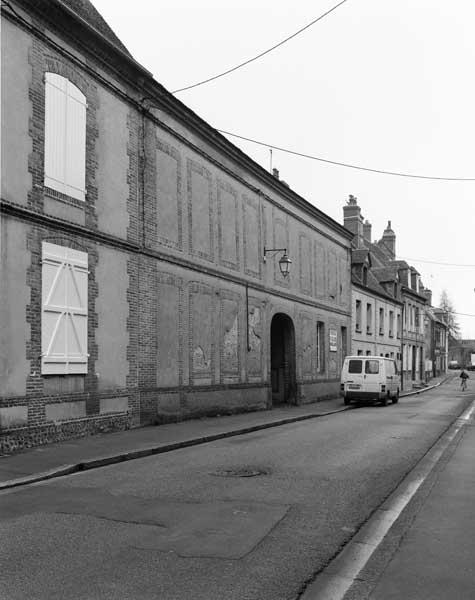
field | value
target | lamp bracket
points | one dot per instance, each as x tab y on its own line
274	250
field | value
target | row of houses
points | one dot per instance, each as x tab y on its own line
392	312
152	271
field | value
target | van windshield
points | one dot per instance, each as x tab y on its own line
372	367
355	366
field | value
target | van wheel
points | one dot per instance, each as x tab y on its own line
396	397
346	401
384	401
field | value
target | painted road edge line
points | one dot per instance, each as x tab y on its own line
337	578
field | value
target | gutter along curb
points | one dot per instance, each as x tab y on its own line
430	387
105	460
111	459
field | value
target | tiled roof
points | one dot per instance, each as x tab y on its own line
86	10
400	264
385	273
359	256
372	285
380	257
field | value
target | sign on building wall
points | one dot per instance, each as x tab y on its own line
333	340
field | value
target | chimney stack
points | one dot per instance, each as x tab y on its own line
367	231
428	294
389	240
353	220
275	173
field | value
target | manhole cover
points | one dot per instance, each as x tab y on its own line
241	472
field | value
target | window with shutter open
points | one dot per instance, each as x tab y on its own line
65	137
64	310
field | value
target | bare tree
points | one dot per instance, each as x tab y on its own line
449	315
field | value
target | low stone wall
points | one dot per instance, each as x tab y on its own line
15	439
170	407
318	391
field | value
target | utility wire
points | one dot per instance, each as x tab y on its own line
433	262
347	165
250	60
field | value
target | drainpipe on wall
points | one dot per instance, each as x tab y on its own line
402	346
376	331
247	317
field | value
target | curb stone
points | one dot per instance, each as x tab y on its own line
103	461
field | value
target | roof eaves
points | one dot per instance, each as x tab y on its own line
123	52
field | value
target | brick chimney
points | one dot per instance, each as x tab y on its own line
415	279
428	294
367	231
353	220
389	240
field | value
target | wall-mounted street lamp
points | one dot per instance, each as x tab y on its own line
284	260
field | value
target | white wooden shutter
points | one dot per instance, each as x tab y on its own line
75	168
64	311
65	136
55	131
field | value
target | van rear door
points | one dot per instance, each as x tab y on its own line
372	376
355	374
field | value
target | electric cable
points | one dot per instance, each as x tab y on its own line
250	60
6	4
342	164
434	262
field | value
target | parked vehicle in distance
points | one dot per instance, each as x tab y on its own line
453	364
373	378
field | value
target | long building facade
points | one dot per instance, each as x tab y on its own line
141	251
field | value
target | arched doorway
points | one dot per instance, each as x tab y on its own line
282	361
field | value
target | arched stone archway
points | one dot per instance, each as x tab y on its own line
282	353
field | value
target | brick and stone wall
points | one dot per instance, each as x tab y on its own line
180	300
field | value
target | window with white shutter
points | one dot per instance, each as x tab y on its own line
64	310
65	137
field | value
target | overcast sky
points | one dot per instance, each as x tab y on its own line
385	84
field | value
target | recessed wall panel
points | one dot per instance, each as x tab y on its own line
200	211
168	194
252	237
228	225
168	332
202	330
229	341
305	264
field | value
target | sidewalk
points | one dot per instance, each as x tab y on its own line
75	455
435	559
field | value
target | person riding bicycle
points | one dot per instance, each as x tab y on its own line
464	376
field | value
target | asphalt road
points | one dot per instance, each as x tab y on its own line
247	518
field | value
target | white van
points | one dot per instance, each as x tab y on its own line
370	378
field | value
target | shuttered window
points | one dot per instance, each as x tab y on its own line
65	137
64	310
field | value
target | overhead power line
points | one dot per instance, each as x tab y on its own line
452	312
434	262
347	165
250	60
